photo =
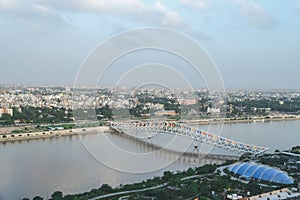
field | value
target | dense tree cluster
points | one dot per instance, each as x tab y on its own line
275	105
49	115
37	115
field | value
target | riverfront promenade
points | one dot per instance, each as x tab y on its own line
142	190
129	192
54	133
6	137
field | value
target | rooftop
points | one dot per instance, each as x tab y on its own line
260	172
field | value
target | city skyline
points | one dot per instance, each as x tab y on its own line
253	43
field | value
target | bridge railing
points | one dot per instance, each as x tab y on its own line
191	132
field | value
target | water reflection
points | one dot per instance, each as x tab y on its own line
40	167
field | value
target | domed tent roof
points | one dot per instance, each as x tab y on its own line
261	172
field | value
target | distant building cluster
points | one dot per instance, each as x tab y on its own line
34	97
120	98
159	102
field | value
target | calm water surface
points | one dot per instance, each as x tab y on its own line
77	164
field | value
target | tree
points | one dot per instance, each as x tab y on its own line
190	190
254	187
37	198
167	175
295	149
6	116
245	156
138	110
205	169
175	182
105	111
105	188
57	195
7	119
190	172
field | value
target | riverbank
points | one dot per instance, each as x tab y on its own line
207	182
241	120
5	137
54	133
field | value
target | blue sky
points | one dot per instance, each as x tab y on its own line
255	44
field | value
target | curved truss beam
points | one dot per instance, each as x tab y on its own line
190	132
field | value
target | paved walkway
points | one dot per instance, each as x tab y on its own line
142	190
128	192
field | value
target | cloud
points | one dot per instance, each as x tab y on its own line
164	15
33	16
45	15
155	14
195	4
255	14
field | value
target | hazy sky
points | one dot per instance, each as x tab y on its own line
254	43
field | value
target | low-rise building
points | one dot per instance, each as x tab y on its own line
6	110
281	194
165	113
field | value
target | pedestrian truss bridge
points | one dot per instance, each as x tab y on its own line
184	130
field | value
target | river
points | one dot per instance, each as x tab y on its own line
75	164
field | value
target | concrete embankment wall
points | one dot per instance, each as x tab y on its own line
54	133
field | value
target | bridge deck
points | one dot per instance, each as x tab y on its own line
190	132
